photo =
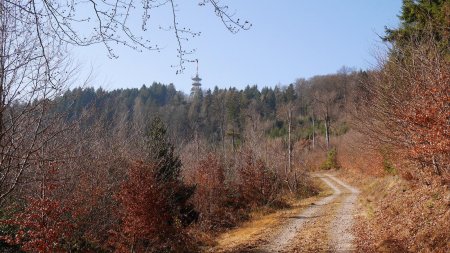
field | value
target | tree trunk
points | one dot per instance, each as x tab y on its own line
313	131
197	143
327	129
232	141
2	68
289	140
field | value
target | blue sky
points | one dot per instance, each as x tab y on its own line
289	39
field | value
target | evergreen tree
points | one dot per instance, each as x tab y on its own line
161	152
168	173
421	18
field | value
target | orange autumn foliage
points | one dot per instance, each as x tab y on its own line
407	107
46	223
146	221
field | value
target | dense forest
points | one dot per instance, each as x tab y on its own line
239	150
222	114
152	169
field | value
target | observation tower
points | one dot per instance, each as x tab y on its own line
196	85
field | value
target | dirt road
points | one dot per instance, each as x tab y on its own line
324	225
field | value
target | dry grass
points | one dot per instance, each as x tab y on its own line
401	216
262	225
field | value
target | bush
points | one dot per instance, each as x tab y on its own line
331	161
212	194
258	185
406	105
147	216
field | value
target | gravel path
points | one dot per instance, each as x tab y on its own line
333	213
322	226
341	229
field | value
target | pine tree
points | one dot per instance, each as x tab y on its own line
419	19
161	152
168	173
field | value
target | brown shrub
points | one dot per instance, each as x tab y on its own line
46	222
401	216
213	196
258	184
354	154
406	106
146	221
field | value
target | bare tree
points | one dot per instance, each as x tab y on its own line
286	113
34	35
405	105
32	72
325	93
323	104
109	22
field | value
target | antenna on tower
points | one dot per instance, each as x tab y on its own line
197	65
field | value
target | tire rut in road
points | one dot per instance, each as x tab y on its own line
322	227
341	229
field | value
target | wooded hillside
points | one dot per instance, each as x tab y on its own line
152	169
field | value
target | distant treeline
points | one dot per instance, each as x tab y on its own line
219	114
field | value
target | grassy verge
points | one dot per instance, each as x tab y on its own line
401	216
263	223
